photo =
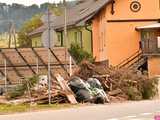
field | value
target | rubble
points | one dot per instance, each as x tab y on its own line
60	92
119	84
91	83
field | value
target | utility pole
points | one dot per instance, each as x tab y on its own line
65	30
49	58
66	38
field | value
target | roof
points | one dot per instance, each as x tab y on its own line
151	26
80	12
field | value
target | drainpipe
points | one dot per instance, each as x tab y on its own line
90	30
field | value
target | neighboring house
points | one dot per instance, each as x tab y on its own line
77	31
127	34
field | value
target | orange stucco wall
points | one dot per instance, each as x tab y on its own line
153	66
99	33
116	41
95	25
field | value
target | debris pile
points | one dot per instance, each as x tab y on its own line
119	84
60	92
90	83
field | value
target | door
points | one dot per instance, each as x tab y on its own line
102	39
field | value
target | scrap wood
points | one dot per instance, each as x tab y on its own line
101	76
115	92
41	99
65	87
105	80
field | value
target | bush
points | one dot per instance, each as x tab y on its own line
20	90
133	93
149	88
79	54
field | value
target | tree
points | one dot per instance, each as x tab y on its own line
31	25
26	28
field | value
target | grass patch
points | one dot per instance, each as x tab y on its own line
9	109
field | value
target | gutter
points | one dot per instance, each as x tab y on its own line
86	27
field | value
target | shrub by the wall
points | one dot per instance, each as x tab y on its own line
79	54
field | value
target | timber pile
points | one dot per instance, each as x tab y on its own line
60	93
38	93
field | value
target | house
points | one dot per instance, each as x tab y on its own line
124	32
127	34
77	31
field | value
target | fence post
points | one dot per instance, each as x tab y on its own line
5	74
70	65
37	70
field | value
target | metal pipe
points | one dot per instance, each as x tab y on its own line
70	66
37	71
49	59
5	73
65	30
86	27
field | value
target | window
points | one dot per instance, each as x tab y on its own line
78	38
59	41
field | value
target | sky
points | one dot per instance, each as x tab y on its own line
29	2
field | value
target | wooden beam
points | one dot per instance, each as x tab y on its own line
10	62
62	65
26	62
42	61
132	20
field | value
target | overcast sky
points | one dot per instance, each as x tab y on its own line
29	2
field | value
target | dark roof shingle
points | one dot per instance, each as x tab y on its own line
83	11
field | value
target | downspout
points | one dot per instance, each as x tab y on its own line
90	30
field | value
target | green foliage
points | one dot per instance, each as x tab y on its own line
20	90
28	27
79	54
134	94
16	92
149	88
32	24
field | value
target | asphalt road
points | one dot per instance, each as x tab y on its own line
144	110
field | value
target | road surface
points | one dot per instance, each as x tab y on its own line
144	110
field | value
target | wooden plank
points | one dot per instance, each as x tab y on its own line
26	62
65	87
61	64
10	62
